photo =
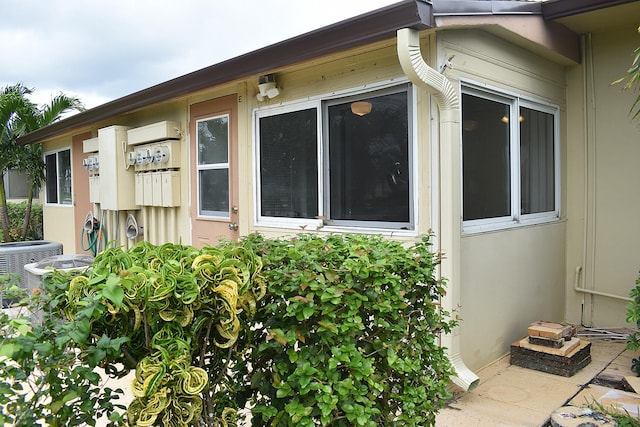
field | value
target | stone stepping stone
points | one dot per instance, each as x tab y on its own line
573	416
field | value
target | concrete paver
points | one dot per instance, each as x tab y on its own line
511	396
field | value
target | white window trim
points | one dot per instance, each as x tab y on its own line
277	222
516	219
316	102
44	157
201	213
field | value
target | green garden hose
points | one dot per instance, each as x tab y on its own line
93	238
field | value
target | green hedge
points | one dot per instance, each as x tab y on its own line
348	333
335	331
16	219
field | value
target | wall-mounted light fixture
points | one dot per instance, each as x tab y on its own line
360	108
267	87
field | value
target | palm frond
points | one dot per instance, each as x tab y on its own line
59	105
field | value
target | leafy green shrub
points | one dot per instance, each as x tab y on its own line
633	316
16	218
348	334
172	312
42	377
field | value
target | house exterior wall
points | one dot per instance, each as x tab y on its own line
336	75
57	220
603	198
510	277
329	75
81	203
64	223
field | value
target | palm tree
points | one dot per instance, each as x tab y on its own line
12	99
19	116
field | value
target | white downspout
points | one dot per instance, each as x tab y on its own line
448	102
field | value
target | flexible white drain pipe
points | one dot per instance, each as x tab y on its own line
448	102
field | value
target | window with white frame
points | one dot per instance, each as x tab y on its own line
213	166
58	177
17	185
509	160
338	162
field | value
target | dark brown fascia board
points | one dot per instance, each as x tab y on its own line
367	28
556	9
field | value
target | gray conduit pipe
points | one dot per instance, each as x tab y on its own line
422	75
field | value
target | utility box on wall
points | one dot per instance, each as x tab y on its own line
155	132
154	152
92	165
117	183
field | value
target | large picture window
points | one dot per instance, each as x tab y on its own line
345	162
509	160
58	177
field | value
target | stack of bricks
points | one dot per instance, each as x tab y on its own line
551	347
553	335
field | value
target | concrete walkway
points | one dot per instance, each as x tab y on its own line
511	396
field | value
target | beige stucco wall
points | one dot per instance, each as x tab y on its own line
321	77
61	225
508	278
57	220
603	175
512	277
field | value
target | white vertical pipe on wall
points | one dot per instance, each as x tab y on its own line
154	226
122	230
446	96
173	225
109	220
160	238
145	223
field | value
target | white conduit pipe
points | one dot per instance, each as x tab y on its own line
577	288
444	93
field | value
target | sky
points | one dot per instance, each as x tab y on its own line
101	50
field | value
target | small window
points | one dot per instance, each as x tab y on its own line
537	160
486	153
338	165
213	166
509	161
58	177
288	165
17	185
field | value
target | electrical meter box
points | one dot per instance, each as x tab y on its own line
91	164
157	156
117	180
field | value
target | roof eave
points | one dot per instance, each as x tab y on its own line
492	7
556	9
367	28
